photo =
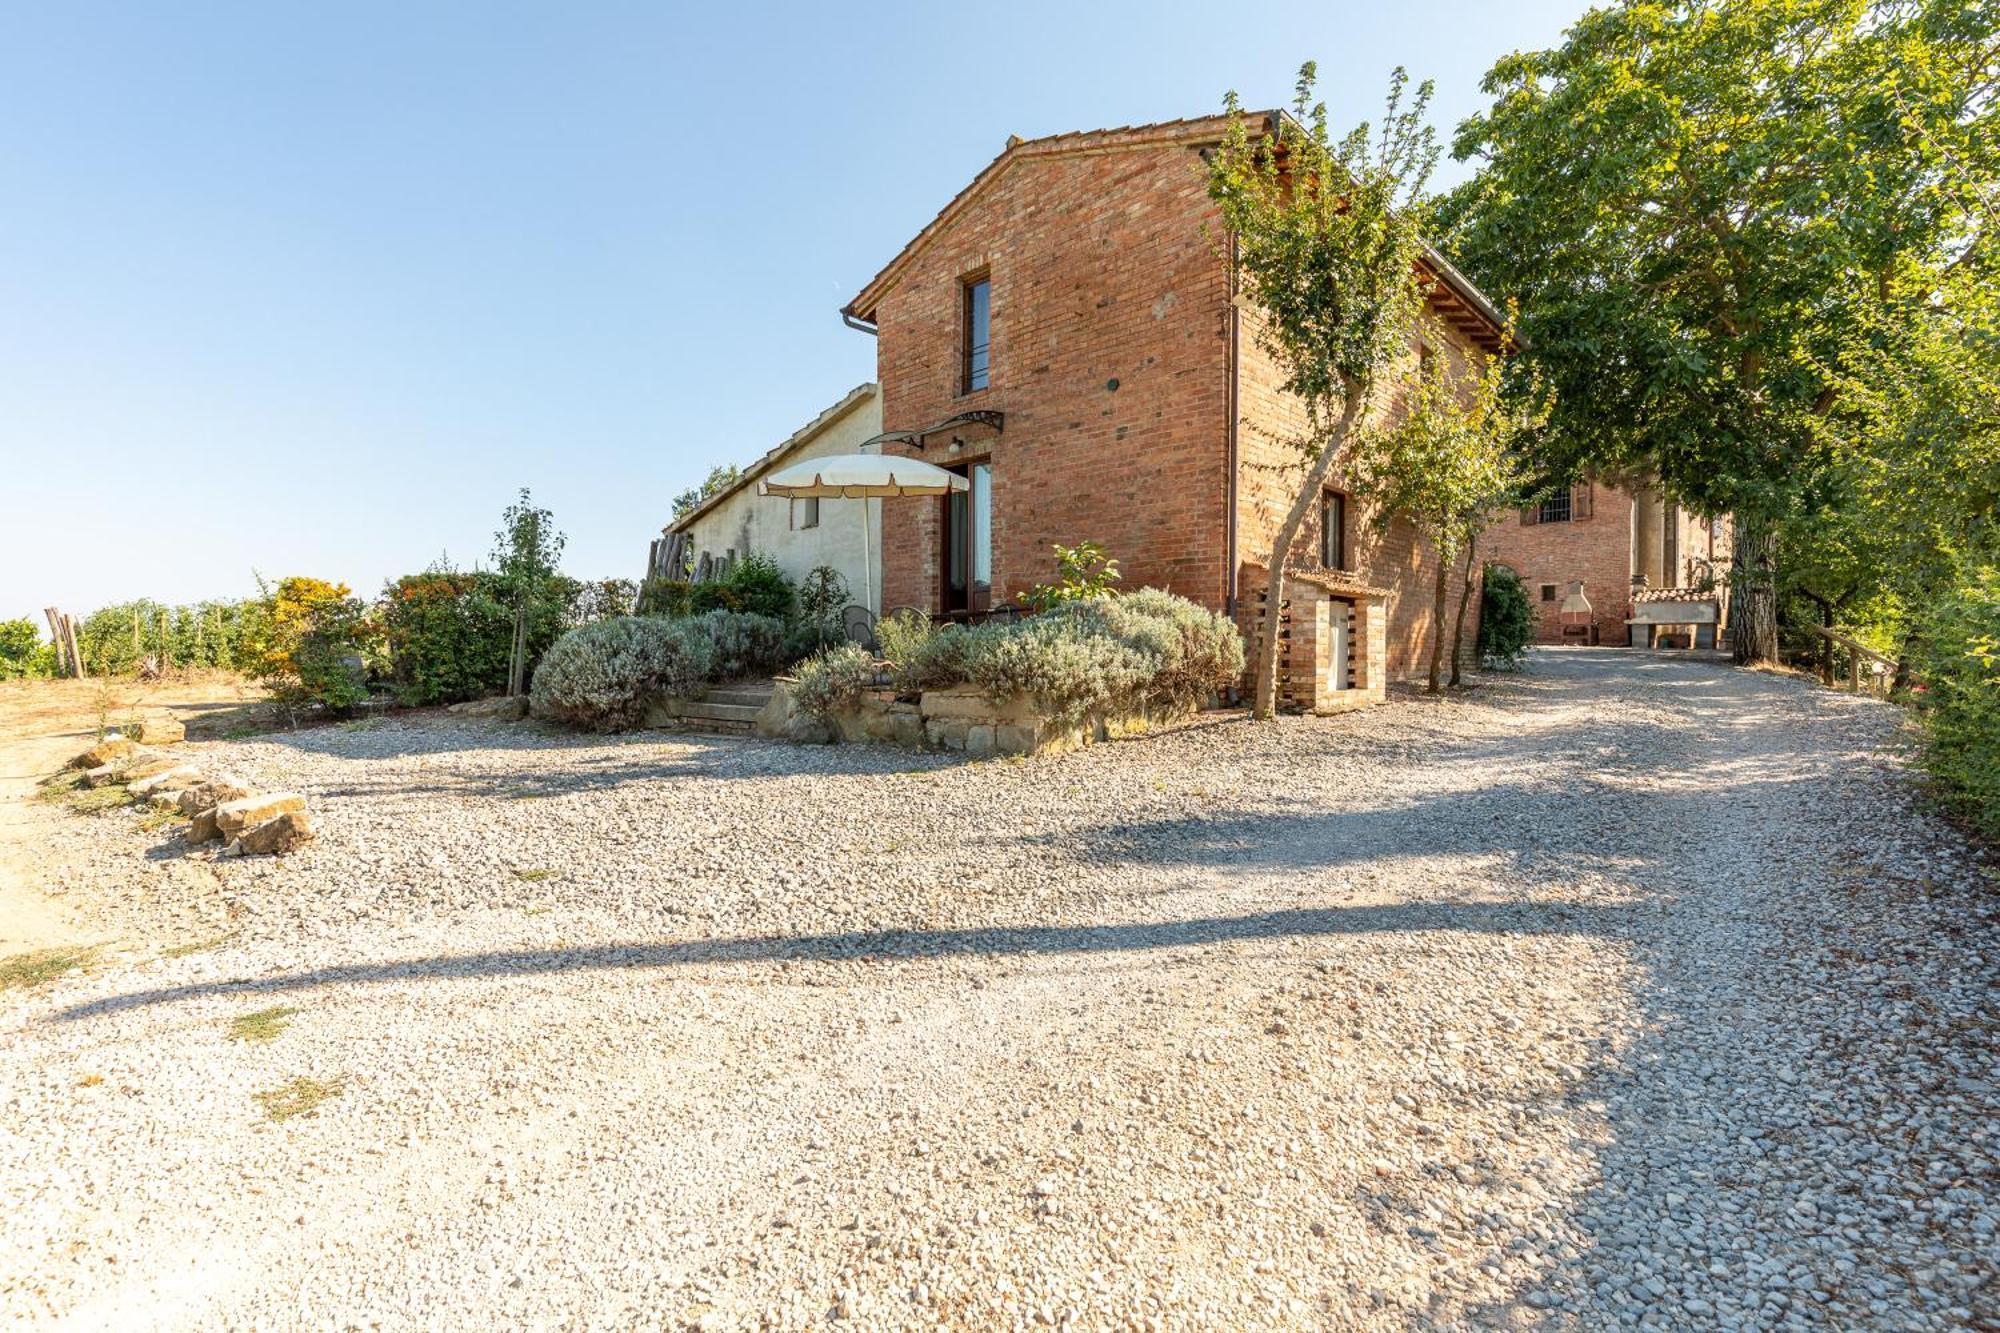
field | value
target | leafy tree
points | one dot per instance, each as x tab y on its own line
22	652
719	479
309	644
1444	464
1705	209
1326	241
526	551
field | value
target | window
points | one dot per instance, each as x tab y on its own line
1555	509
805	512
1333	530
978	332
1548	592
1426	363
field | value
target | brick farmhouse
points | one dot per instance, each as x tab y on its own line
1066	334
1652	573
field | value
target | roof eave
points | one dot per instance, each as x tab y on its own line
852	398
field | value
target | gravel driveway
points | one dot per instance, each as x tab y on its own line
1632	991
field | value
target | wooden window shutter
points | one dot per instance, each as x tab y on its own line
1579	500
1530	515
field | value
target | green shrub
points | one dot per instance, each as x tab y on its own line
1957	659
311	644
1194	652
1506	619
665	597
22	652
1070	670
822	602
744	644
448	635
754	584
115	639
1084	572
830	681
602	675
601	599
1104	654
922	654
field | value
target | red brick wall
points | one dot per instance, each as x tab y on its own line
1100	271
1597	549
1394	556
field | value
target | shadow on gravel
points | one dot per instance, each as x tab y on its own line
465	764
1525	919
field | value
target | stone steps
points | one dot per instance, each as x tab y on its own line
727	710
708	710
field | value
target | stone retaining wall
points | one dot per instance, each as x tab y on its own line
964	719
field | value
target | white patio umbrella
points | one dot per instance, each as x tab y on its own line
861	477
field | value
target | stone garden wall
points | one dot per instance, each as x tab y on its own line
962	719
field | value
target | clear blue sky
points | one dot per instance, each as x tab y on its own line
315	288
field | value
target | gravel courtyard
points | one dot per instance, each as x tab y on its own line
1630	991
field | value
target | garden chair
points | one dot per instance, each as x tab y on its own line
858	624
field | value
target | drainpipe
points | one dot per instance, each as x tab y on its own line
1229	434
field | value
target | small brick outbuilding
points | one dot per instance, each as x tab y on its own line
1066	333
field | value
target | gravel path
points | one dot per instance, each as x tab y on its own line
1634	991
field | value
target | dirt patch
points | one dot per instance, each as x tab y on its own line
43	723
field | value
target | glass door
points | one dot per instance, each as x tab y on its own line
968	542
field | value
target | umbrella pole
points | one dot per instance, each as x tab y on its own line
867	562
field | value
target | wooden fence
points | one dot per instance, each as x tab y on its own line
1863	663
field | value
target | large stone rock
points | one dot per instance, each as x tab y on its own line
203	828
211	792
775	718
808	730
175	779
973	704
235	816
160	730
107	751
144	764
502	709
103	775
275	837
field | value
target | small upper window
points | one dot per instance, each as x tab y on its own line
1427	363
978	332
1555	509
1333	530
805	512
1548	592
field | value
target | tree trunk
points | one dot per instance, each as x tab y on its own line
1464	596
517	662
1439	600
1753	605
1266	699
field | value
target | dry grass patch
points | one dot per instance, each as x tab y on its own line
302	1096
263	1025
533	875
155	820
41	966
